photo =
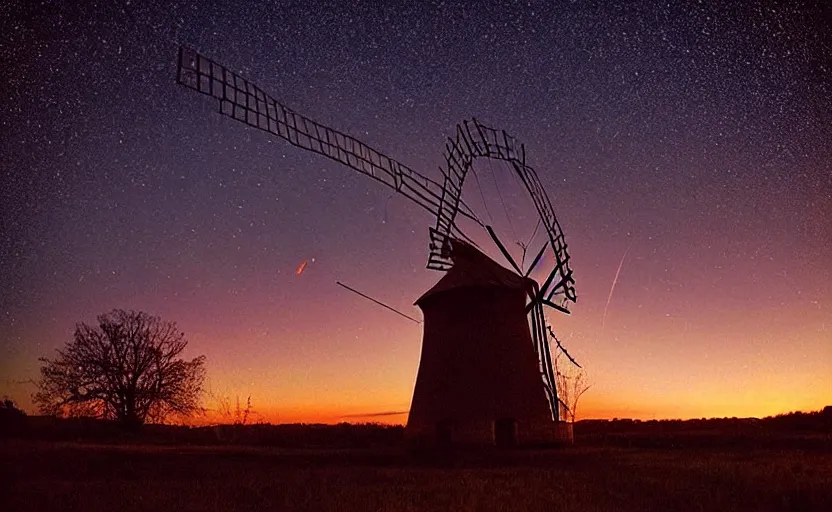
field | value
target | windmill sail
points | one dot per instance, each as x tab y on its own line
482	141
243	101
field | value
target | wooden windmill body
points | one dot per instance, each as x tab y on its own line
479	377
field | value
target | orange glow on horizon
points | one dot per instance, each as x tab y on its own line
590	407
591	410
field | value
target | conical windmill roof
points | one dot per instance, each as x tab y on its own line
473	269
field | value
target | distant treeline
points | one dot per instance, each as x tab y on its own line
343	435
793	430
814	421
796	430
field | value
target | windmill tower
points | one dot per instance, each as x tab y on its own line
485	374
478	379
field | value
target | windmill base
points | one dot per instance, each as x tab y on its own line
503	433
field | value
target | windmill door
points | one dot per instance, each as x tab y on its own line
444	432
505	432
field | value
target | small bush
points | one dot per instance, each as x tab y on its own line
12	418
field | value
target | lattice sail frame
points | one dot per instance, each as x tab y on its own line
243	101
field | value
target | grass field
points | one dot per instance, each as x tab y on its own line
72	476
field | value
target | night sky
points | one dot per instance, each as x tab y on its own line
694	138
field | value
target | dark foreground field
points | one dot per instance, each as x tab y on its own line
70	476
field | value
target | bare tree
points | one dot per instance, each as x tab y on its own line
127	368
571	385
231	420
238	415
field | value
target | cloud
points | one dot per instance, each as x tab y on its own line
373	414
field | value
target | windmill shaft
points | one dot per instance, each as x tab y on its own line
394	310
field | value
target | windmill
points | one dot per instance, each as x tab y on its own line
485	373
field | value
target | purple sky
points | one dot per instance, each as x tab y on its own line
695	135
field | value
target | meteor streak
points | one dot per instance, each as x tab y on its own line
614	281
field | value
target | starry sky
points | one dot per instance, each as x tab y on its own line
686	144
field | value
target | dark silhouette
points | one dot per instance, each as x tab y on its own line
127	368
9	409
